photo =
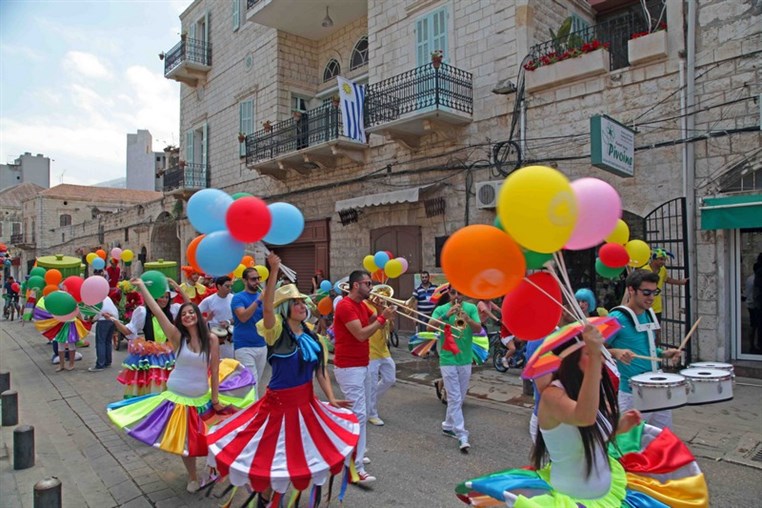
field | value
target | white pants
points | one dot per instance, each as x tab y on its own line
661	419
533	427
355	385
456	378
255	358
387	370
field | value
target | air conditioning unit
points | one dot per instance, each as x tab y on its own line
486	194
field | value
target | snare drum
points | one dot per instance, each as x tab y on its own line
657	391
712	365
707	386
219	331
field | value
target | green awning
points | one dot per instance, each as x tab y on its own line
732	212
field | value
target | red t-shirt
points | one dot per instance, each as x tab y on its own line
348	351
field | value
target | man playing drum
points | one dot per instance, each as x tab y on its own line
218	313
637	337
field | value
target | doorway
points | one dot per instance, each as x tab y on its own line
747	295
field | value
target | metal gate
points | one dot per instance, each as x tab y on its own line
666	227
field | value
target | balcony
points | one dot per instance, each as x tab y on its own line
314	141
188	62
186	181
415	103
18	240
302	18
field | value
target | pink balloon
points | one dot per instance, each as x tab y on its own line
67	317
599	208
405	266
116	253
94	290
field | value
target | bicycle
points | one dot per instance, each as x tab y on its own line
11	310
516	361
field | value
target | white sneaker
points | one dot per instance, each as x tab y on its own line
192	486
366	460
365	478
463	445
378	422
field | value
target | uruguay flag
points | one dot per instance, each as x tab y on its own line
352	98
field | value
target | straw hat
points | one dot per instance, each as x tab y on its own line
287	292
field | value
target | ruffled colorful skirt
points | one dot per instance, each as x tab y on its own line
28	309
68	332
288	437
146	367
651	468
178	424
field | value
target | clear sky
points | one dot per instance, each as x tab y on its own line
77	76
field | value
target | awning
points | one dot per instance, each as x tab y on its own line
732	212
410	195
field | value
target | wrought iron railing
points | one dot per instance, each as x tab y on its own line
17	238
613	34
313	127
251	3
422	88
188	50
192	176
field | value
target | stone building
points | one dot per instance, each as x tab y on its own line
27	168
144	166
11	218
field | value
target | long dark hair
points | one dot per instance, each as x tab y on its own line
598	434
201	328
148	325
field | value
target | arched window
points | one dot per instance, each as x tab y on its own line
332	69
359	54
65	219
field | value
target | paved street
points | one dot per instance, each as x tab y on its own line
416	464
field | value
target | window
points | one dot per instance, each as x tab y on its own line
16	228
359	54
126	234
299	103
245	122
1	229
236	14
65	219
431	35
578	24
332	69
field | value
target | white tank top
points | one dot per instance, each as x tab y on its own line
189	377
567	456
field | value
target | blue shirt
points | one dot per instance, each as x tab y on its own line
531	347
290	370
245	333
635	341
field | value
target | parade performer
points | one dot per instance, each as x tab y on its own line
192	288
150	358
31	301
455	357
176	420
289	436
383	371
63	335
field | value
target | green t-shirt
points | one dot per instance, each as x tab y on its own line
463	340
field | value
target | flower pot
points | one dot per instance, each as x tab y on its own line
566	71
436	62
241	138
649	48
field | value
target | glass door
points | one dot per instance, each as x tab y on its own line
748	296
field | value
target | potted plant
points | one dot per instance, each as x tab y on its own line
573	63
241	137
436	58
297	114
267	126
181	164
644	47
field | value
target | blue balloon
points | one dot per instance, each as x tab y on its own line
218	253
287	224
325	286
337	289
207	209
381	258
98	264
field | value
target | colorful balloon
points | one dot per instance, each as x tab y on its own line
613	255
537	208
528	312
36	282
393	268
101	254
536	260
94	290
287	224
219	253
239	195
380	258
639	252
325	286
263	272
98	264
248	219
369	264
207	210
15	287
482	262
90	256
116	253
127	255
620	234
325	306
238	286
247	261
378	276
155	282
405	264
38	271
238	272
60	303
73	285
53	277
598	210
190	253
607	272
49	289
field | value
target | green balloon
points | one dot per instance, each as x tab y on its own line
239	195
605	271
39	271
156	283
60	303
238	286
498	224
35	281
536	260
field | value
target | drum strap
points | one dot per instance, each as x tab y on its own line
648	328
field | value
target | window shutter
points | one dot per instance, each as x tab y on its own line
236	14
439	32
431	35
204	143
192	31
189	147
422	51
246	122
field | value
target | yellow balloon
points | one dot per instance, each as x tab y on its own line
639	252
127	255
369	264
90	257
537	207
393	268
238	272
620	235
262	271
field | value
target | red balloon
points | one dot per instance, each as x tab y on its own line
378	276
248	219
528	312
388	253
73	286
614	255
15	286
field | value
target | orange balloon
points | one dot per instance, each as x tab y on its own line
325	306
482	261
101	254
247	261
49	289
53	277
190	253
378	276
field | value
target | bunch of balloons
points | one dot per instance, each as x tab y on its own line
63	295
383	265
97	259
227	223
619	251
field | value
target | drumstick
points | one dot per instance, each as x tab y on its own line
643	357
688	335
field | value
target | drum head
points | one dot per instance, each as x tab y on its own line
711	365
698	374
657	378
219	331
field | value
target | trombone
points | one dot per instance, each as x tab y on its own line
381	295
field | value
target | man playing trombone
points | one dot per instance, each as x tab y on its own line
455	356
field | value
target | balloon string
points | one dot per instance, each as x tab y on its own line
551	297
566	287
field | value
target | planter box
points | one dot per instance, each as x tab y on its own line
649	48
566	71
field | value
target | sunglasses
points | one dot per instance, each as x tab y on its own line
649	292
366	282
254	279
